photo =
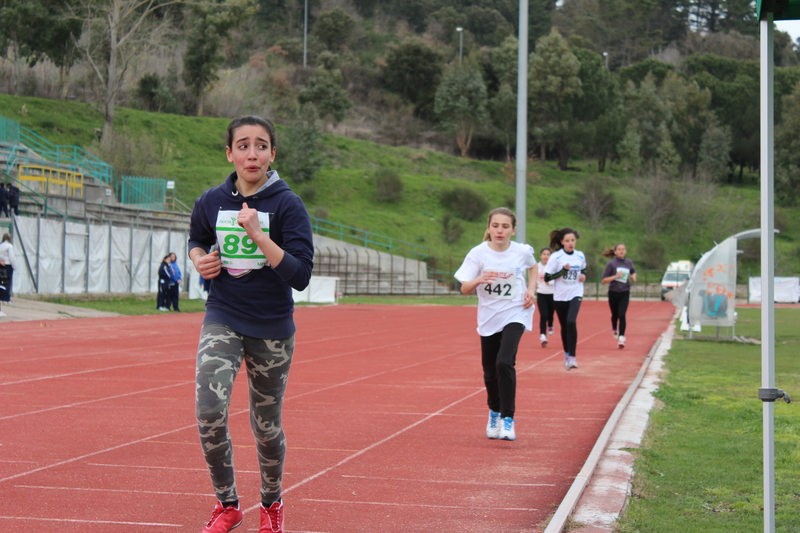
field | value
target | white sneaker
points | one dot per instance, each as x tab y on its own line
507	429
493	425
550	330
567	364
572	362
2	314
543	339
621	341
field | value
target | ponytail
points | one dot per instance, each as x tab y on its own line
558	234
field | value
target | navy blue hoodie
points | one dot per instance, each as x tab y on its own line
258	304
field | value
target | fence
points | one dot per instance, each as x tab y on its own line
145	193
60	256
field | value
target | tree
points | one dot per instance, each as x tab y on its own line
300	156
334	28
118	31
461	102
327	95
209	24
553	86
787	151
715	151
690	114
503	112
35	29
413	70
650	111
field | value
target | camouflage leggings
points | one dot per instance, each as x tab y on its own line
219	357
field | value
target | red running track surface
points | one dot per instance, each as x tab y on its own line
384	416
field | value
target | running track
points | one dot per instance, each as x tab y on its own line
384	416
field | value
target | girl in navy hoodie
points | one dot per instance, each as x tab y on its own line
252	236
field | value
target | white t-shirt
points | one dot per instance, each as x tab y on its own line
567	286
542	287
499	302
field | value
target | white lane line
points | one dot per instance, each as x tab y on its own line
451	482
104	352
126	491
144	467
76	404
471	508
93	370
38	519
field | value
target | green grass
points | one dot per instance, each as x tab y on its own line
700	466
146	305
193	156
132	305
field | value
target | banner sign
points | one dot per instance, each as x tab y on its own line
713	287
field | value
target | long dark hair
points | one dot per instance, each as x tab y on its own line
558	234
499	211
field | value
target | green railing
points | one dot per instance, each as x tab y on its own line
146	193
9	131
368	239
67	155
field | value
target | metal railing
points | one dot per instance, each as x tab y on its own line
146	193
67	155
367	239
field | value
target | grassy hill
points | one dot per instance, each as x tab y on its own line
190	150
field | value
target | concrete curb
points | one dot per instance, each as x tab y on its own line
21	309
600	492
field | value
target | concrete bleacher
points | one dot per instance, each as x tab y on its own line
360	270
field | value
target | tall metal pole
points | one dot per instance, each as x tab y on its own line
305	32
460	31
522	121
767	266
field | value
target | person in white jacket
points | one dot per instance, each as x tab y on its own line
7	264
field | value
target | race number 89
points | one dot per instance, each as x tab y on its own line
233	245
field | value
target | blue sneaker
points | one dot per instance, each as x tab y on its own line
507	429
493	425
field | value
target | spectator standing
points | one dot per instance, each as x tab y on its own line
7	264
164	279
3	200
13	198
175	282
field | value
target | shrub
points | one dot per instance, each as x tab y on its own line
307	193
388	185
467	203
652	253
320	212
595	202
452	230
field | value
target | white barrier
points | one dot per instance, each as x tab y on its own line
787	290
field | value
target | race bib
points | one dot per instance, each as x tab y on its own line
626	274
238	252
572	275
504	286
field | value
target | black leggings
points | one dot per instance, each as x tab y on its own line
499	357
618	302
568	320
546	310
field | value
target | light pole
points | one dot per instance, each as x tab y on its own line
605	57
460	31
305	32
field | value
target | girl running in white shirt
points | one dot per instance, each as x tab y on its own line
567	266
544	298
496	269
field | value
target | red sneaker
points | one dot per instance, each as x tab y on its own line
223	519
272	518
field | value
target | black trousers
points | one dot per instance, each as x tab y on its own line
546	311
174	295
568	320
499	358
618	302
